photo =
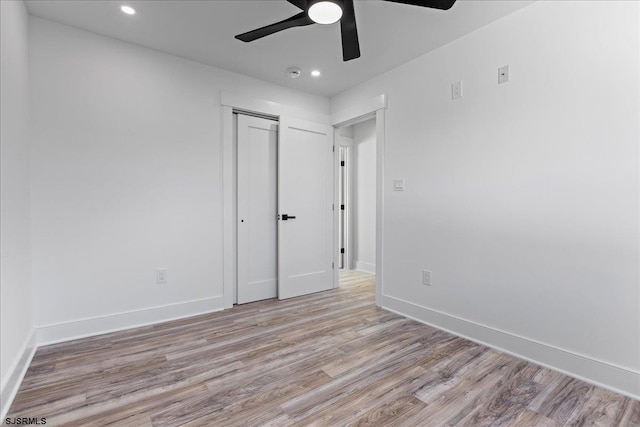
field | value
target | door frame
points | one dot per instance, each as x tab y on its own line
230	102
349	246
357	112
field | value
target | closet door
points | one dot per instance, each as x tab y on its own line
305	200
257	209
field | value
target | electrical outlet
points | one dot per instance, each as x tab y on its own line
426	277
161	275
398	184
456	90
503	74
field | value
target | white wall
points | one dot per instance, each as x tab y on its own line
364	139
127	179
522	198
15	259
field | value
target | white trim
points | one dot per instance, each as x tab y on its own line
229	255
360	109
380	150
235	100
270	108
90	326
11	382
336	208
618	379
366	267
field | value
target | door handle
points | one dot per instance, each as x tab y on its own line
287	217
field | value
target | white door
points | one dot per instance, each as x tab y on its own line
257	209
305	198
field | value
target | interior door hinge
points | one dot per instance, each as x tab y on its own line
333	207
334	149
333	265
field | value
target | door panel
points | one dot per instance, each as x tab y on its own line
305	190
343	223
257	209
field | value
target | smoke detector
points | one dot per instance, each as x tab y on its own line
294	72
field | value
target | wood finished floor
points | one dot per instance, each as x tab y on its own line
331	359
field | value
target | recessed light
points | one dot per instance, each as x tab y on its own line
128	10
315	73
325	12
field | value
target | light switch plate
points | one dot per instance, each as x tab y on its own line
398	184
456	90
161	275
426	277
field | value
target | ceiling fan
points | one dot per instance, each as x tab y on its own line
329	12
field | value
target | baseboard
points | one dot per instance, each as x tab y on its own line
366	267
87	327
16	373
615	378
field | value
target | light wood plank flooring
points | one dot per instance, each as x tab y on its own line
330	358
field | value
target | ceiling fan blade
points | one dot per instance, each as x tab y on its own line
434	4
298	20
350	43
300	4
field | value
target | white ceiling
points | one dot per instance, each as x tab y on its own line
390	34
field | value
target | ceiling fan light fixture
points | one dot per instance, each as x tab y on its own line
325	12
